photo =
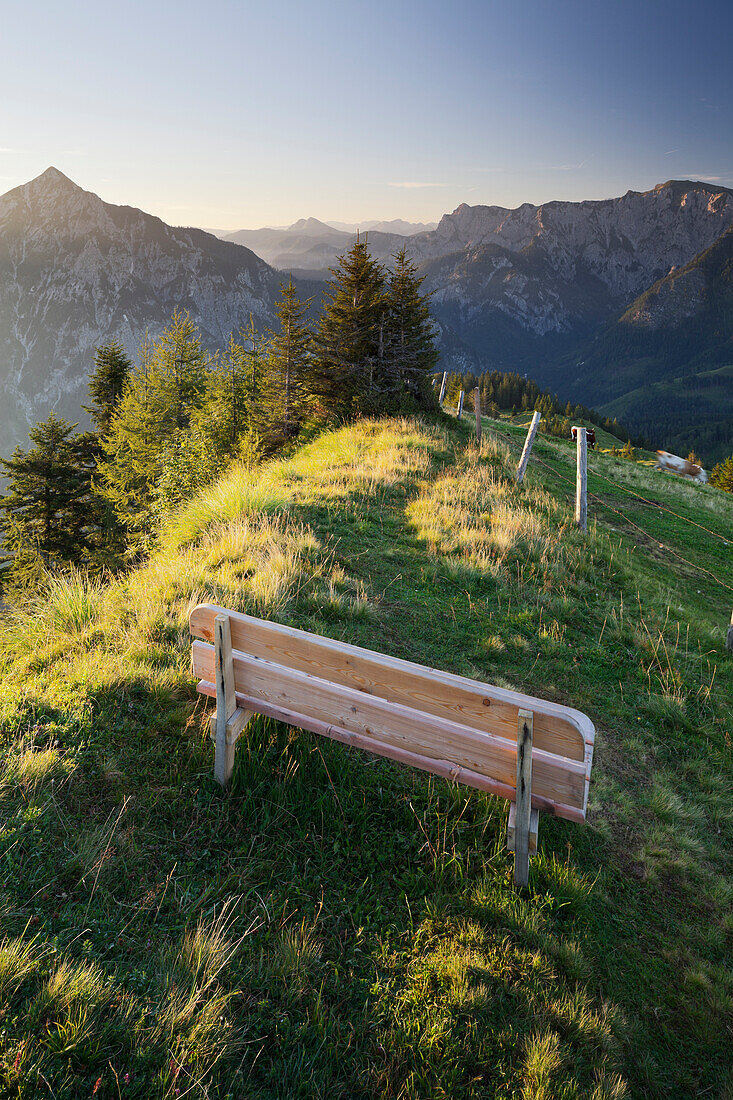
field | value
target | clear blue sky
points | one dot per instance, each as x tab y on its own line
241	114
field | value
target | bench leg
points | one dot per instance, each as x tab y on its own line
229	720
534	825
523	811
224	761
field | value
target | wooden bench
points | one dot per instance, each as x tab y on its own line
533	753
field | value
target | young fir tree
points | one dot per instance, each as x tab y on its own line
283	399
410	352
349	339
47	520
160	398
112	366
224	418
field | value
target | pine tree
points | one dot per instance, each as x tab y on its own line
112	366
283	400
411	353
349	340
48	521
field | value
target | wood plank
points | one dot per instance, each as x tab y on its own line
557	729
235	725
443	768
534	825
558	779
226	702
523	798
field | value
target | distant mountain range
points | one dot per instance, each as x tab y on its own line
600	300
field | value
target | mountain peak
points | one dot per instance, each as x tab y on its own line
53	180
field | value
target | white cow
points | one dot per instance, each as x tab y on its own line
673	464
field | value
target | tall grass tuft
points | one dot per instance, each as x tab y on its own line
71	603
18	959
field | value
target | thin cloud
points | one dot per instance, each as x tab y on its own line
670	151
411	183
706	177
566	167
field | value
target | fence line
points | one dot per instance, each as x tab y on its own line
663	545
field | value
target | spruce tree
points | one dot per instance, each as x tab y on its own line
224	417
160	398
411	354
47	521
349	340
112	366
283	400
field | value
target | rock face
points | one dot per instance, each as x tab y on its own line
565	267
537	289
519	287
76	272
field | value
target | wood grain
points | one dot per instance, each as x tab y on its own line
560	780
527	450
523	798
442	768
557	729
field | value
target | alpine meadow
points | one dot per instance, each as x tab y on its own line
366	552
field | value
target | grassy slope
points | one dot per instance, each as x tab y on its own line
682	412
337	926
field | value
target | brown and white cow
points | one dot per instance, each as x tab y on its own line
672	464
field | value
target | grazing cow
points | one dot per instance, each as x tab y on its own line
590	436
672	464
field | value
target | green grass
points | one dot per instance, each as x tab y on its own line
335	925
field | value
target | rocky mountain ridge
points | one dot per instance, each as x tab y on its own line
537	289
76	271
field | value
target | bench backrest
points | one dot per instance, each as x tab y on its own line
388	703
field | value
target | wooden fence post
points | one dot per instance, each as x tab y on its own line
528	447
581	481
443	384
460	405
477	407
729	638
525	723
229	720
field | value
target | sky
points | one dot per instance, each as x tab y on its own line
232	115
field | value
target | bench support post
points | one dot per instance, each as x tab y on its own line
524	797
229	720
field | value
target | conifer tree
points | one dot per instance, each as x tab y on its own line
410	339
47	521
283	399
112	366
349	340
225	415
160	399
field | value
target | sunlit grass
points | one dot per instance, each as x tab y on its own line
374	945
